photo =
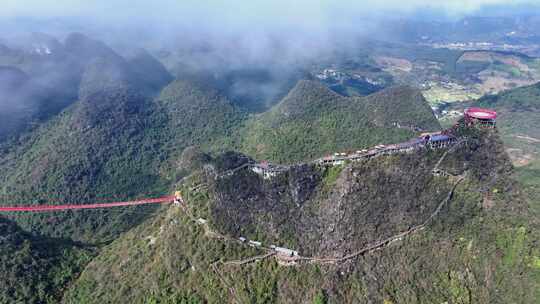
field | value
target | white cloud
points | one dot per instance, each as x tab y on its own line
251	9
233	15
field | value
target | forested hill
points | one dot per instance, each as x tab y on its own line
312	121
53	73
36	269
101	148
123	134
520	99
519	124
476	244
123	137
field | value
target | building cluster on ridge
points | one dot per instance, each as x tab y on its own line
482	118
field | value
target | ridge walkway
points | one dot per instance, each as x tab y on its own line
269	170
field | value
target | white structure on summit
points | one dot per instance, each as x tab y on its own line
266	169
285	251
255	243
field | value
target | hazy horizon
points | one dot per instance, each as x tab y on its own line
237	15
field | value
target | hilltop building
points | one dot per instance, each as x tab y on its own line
439	141
482	117
266	169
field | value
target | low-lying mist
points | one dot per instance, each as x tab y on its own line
253	52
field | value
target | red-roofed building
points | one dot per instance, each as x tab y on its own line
481	117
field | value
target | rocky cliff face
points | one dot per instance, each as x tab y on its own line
332	211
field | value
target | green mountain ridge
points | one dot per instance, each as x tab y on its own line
60	161
54	78
139	140
478	250
312	121
134	134
519	121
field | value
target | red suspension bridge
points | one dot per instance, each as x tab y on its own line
41	208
